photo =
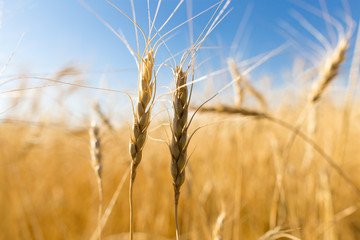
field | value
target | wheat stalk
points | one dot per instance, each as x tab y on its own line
323	189
181	99
142	115
179	143
96	161
327	72
278	210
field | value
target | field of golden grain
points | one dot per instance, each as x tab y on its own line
236	172
279	167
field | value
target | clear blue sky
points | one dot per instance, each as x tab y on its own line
62	32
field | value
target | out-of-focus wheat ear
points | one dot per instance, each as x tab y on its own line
179	143
224	109
96	160
239	90
278	233
95	149
217	233
105	120
142	115
329	70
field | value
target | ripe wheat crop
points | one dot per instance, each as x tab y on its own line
215	151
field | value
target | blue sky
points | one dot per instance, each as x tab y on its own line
60	33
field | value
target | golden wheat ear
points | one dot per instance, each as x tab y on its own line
181	99
329	70
142	112
178	147
142	115
96	161
326	74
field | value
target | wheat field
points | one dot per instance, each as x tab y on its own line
260	164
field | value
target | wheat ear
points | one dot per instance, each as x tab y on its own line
96	161
327	73
218	227
142	115
329	70
104	119
178	148
230	110
238	88
239	91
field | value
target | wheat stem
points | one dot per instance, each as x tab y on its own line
100	206
131	209
141	123
177	195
